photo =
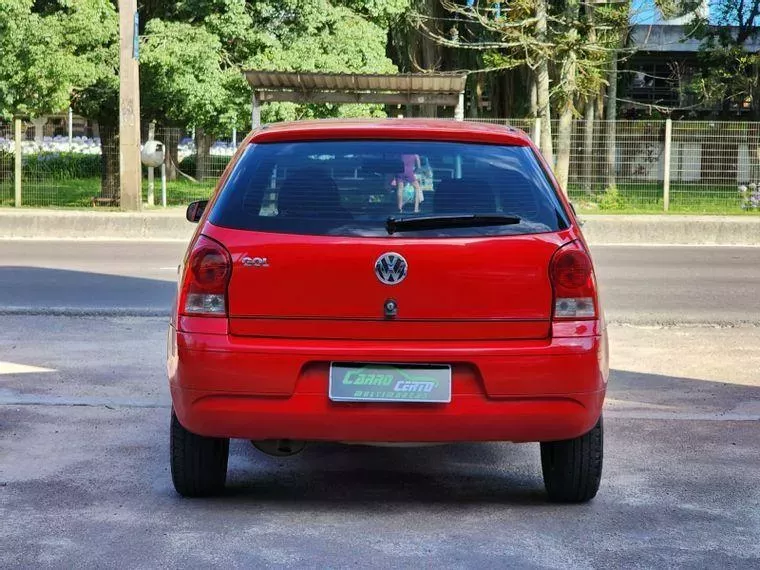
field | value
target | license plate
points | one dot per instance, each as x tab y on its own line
359	382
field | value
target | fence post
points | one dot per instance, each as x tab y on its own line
17	162
459	109
666	170
255	111
71	130
163	184
151	184
536	134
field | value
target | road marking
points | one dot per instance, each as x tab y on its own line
682	416
13	368
613	404
172	268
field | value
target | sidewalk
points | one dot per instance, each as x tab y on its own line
170	224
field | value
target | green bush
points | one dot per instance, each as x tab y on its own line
6	166
612	199
61	166
216	165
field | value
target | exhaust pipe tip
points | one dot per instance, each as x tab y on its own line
280	447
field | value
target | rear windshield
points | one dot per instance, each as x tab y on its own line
351	188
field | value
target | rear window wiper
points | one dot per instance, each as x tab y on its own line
441	221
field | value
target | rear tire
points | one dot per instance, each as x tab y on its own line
198	463
572	468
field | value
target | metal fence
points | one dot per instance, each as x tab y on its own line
82	170
614	166
713	166
57	168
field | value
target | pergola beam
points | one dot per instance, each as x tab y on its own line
377	98
440	89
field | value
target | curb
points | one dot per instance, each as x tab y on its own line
672	230
171	225
60	224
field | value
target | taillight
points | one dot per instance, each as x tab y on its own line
207	274
573	281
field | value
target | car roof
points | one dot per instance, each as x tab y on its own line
391	129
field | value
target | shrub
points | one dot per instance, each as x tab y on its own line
612	199
216	165
61	166
6	166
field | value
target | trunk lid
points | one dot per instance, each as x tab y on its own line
300	286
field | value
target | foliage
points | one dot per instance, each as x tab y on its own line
727	73
35	71
325	36
182	79
579	31
214	167
612	199
6	165
60	165
193	57
57	52
48	166
90	33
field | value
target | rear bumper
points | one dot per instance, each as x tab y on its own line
255	388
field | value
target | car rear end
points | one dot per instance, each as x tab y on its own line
313	307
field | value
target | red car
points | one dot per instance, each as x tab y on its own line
387	281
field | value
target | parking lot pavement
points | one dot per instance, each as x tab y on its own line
84	477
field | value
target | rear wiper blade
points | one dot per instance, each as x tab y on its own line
434	222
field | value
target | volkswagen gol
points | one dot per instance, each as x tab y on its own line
392	281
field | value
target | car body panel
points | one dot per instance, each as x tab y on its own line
502	282
501	380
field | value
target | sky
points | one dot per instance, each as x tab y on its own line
645	11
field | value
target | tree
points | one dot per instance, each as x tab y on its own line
193	57
328	36
510	38
90	33
36	74
728	73
559	41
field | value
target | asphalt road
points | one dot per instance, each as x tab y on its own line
84	479
640	285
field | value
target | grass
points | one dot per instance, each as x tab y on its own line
630	198
642	198
79	192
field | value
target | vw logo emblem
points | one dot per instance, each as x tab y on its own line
391	268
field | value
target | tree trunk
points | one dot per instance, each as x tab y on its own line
611	150
430	57
533	96
202	148
564	145
171	140
109	171
587	168
567	80
588	145
542	87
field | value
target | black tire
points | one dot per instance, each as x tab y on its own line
573	467
199	464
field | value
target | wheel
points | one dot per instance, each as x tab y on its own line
573	467
199	464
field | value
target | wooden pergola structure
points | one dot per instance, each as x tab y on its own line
440	89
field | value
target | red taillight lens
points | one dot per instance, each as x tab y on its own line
207	274
574	286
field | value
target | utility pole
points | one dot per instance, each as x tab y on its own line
129	108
